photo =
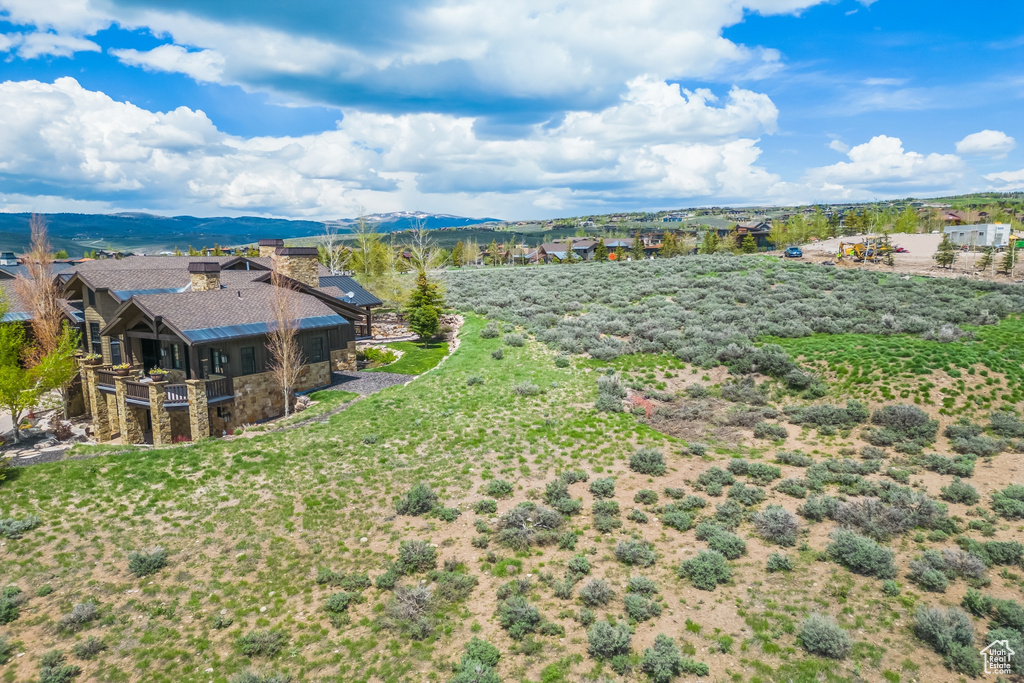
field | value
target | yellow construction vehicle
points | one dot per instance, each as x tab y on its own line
871	249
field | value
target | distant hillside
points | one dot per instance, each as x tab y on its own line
142	232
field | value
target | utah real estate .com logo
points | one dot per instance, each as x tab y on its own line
997	657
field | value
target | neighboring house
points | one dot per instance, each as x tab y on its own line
616	242
554	250
584	249
981	235
953	218
759	230
206	321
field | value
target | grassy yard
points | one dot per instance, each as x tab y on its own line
416	358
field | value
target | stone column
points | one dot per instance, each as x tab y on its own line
198	411
97	401
128	418
161	419
83	372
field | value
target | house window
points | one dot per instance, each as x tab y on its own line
115	352
217	361
248	359
94	338
316	350
176	357
92	298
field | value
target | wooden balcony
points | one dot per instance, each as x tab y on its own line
137	393
105	380
176	396
219	389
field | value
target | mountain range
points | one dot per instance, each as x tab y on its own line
147	233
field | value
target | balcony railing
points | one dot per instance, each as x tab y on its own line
105	379
177	395
219	389
137	392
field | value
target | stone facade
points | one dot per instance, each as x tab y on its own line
159	415
205	281
113	414
268	247
198	410
131	417
344	360
298	263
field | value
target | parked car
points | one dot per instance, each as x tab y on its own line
901	250
794	252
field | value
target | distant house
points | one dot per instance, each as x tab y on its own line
759	230
584	249
953	218
616	242
981	235
550	251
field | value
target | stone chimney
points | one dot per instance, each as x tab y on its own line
205	276
268	247
298	263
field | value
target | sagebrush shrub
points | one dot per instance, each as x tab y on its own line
641	585
514	339
603	488
81	614
638	516
959	491
415	556
639	608
147	562
498	488
777	562
1009	502
52	668
770	430
636	552
264	643
572	476
490	331
596	593
706	570
645	497
482	651
648	461
418	501
518	617
794	458
1006	424
792	487
486	506
579	564
14	528
88	648
890	588
943	628
821	635
976	603
663	662
253	677
861	555
605	641
775	524
747	495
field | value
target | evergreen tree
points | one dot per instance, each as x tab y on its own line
600	251
1009	261
668	246
424	307
985	262
946	253
709	245
620	254
638	247
749	245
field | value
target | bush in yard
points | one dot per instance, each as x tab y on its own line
266	643
763	474
821	635
446	514
605	641
147	562
902	423
641	585
88	648
572	476
81	614
713	479
794	458
482	651
645	497
518	617
648	461
337	608
706	570
52	668
1006	424
1008	614
415	556
418	501
662	662
777	562
639	608
770	430
960	491
14	528
603	488
777	525
729	514
499	488
1009	502
596	593
498	354
890	588
490	331
638	516
960	466
943	628
792	487
861	555
983	446
579	565
514	339
528	524
485	507
636	552
728	544
976	603
747	495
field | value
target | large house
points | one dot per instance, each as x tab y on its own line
205	321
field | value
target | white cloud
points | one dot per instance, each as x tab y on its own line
839	146
1008	179
63	140
203	65
884	81
991	143
45	44
881	166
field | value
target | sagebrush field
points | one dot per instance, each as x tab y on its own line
724	468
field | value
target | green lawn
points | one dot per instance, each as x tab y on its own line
416	358
323	401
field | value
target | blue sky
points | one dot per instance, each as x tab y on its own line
519	109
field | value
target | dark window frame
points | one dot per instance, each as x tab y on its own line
247	360
95	340
116	358
316	349
92	297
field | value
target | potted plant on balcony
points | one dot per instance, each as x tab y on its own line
157	374
122	370
92	359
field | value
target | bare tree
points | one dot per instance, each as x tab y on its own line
283	340
332	254
54	342
423	251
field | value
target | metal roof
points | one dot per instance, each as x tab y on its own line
255	329
347	284
15	316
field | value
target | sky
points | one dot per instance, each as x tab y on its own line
520	109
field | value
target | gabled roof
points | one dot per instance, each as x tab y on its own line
11	272
199	317
347	284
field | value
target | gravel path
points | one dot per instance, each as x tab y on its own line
367	383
